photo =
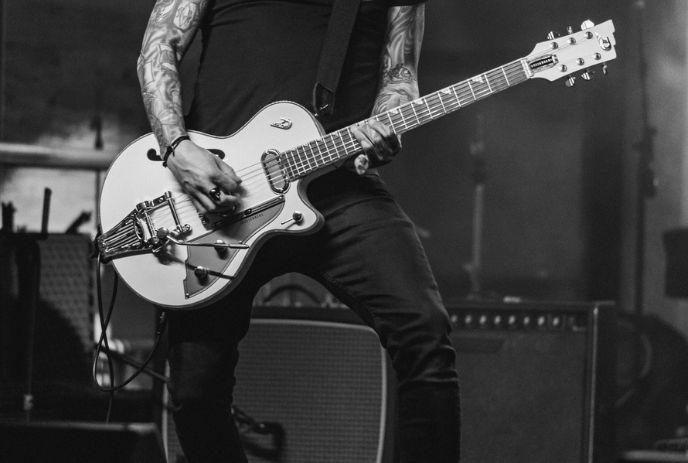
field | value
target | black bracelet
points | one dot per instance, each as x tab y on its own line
173	146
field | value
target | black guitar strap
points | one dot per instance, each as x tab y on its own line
332	55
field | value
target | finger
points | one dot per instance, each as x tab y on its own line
227	170
381	149
392	139
232	202
202	207
225	182
223	201
364	139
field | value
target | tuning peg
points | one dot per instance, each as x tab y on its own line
587	24
551	35
604	69
570	81
569	30
587	75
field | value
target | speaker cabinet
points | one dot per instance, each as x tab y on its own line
55	346
321	376
536	384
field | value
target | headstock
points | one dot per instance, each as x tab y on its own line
573	55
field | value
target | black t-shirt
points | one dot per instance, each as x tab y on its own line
259	51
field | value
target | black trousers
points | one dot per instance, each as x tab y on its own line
369	256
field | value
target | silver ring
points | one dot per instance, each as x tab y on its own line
214	193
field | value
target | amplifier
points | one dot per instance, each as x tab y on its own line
537	381
537	384
322	376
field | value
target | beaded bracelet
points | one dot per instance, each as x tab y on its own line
173	146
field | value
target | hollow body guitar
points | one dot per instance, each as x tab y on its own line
169	255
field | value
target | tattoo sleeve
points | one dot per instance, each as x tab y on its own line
399	77
171	27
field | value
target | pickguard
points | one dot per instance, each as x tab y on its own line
216	261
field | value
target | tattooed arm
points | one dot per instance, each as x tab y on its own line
171	27
398	85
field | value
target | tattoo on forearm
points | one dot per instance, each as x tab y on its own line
399	81
170	29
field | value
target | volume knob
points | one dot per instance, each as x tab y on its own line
201	273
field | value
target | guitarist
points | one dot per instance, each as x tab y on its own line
367	253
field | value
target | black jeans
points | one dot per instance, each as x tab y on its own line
369	256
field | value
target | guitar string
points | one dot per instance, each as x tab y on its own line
471	90
499	75
425	114
514	68
429	107
429	110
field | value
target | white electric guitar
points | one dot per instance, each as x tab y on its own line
167	254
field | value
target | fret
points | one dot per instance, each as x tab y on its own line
493	81
458	100
286	164
469	100
414	111
331	144
336	140
450	100
479	87
391	122
331	148
318	158
313	146
350	140
487	80
393	113
501	83
427	105
425	101
342	143
440	108
401	114
305	159
321	158
471	88
419	104
302	156
505	76
444	109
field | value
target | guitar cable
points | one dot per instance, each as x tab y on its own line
103	342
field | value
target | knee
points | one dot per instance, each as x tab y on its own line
423	352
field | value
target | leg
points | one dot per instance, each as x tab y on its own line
202	356
203	353
369	256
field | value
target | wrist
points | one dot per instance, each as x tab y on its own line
169	151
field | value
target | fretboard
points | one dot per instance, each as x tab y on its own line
341	144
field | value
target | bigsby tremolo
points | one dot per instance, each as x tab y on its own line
137	233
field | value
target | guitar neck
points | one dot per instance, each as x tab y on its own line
341	144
